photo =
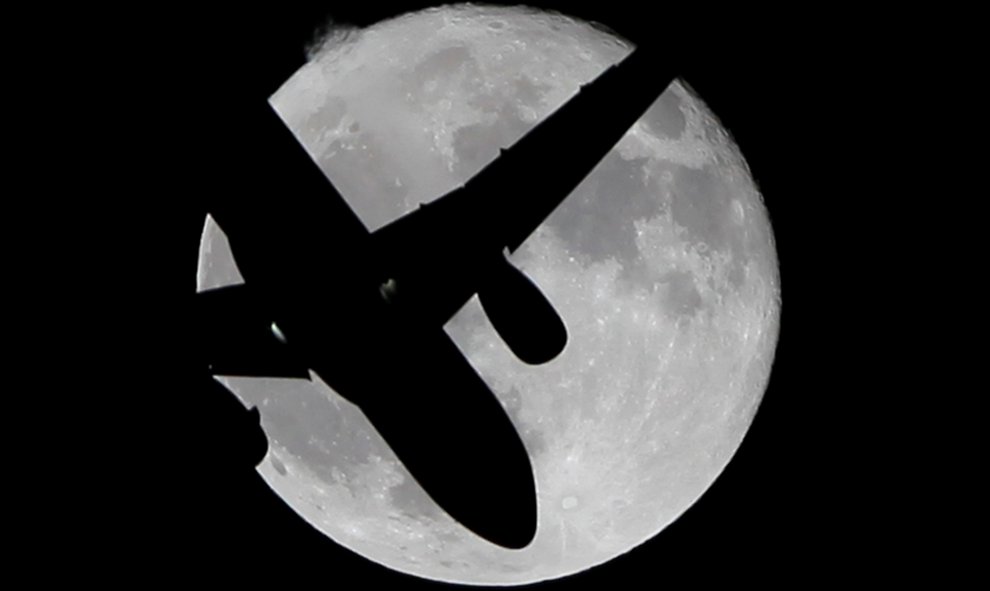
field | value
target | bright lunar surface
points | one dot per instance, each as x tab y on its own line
661	263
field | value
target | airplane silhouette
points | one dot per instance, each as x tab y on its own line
365	310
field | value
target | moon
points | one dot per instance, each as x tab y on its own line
661	263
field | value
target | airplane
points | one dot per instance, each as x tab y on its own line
365	310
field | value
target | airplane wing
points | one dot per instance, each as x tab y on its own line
468	229
532	177
521	187
290	229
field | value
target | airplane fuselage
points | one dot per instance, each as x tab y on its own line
366	311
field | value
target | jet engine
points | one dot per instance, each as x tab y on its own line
522	315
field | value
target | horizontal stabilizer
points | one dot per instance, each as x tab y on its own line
236	337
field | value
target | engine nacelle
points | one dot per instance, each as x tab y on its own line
522	315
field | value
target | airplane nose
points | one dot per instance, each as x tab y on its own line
501	504
476	468
455	438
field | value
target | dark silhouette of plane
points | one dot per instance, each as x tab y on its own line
365	311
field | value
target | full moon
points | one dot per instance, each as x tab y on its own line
661	263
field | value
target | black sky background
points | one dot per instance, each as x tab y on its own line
796	503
